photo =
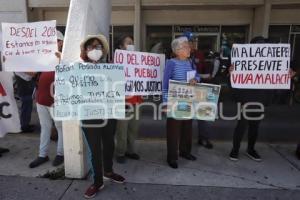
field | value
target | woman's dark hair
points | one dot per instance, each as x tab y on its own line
122	40
83	53
90	42
258	40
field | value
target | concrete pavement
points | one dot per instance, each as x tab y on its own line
21	188
212	176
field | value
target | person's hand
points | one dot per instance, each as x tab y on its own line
58	55
193	81
292	73
164	109
209	78
127	97
31	73
231	69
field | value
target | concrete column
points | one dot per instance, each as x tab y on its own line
13	11
261	20
85	18
137	25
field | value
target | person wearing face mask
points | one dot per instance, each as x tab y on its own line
44	104
179	131
250	121
127	130
98	133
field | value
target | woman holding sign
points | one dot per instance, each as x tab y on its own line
178	130
250	120
99	134
127	130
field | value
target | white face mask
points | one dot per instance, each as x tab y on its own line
95	54
130	48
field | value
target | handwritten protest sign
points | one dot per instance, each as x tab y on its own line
143	71
193	102
261	66
89	91
29	46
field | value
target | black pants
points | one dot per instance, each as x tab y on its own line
25	90
100	141
178	131
240	129
203	133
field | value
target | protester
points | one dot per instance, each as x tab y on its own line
178	131
245	96
45	101
198	62
99	137
127	130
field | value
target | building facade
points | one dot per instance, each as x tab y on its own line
158	21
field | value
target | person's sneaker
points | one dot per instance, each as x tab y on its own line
205	143
3	150
121	159
28	129
92	191
253	155
58	160
298	152
234	155
133	156
188	156
173	164
38	161
114	177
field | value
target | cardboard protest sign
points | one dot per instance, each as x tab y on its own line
89	91
193	102
260	66
29	47
9	115
143	71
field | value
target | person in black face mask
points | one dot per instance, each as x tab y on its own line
244	96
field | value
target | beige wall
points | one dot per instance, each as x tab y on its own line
285	16
13	11
48	3
206	17
122	17
57	9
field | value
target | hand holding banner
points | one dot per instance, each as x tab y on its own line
29	46
143	71
193	102
89	91
260	66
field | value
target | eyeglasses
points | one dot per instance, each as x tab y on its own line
97	47
184	48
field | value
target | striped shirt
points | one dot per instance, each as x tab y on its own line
176	70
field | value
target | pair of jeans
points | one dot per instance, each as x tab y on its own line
100	141
26	110
45	114
179	135
25	91
126	134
